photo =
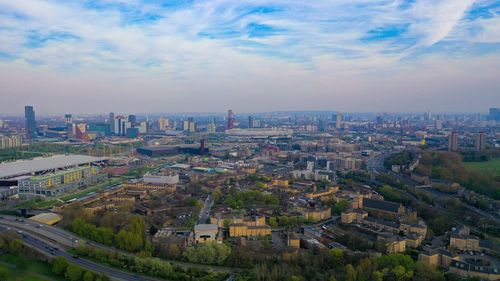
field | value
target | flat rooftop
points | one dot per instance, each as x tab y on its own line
24	167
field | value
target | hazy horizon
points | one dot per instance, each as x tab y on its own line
251	56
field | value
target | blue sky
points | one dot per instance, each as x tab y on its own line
181	55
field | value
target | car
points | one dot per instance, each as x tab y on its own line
19	232
75	257
52	253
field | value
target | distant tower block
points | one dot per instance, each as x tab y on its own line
230	119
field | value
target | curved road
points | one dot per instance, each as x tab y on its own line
50	248
69	240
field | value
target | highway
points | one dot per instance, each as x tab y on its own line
376	163
69	240
51	248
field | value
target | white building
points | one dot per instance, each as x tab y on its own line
170	178
10	141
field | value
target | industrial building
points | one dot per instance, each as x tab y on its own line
165	150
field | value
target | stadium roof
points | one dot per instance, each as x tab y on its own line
23	167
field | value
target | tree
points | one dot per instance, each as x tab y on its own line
337	257
400	273
350	273
425	272
88	276
341	206
128	241
365	270
4	273
73	273
59	265
273	222
208	253
393	260
16	246
217	194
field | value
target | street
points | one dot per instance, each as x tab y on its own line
205	211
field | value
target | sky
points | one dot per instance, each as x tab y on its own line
145	56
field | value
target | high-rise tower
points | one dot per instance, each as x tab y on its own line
30	122
230	119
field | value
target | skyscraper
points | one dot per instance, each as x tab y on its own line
250	122
68	119
230	119
30	122
211	128
480	141
132	119
338	121
163	123
494	114
453	141
112	122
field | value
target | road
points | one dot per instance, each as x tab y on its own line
205	211
376	163
479	212
67	239
51	248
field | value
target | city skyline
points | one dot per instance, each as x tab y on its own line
207	56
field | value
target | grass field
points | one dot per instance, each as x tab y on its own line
17	268
492	166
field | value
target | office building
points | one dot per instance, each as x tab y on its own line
68	119
10	141
428	116
112	123
163	123
120	128
30	122
480	141
192	127
453	141
338	121
132	119
230	119
189	125
100	128
132	133
250	122
438	124
494	114
211	128
142	127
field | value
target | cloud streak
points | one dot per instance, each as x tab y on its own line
183	40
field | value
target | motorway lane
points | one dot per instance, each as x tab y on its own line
67	239
52	249
376	163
